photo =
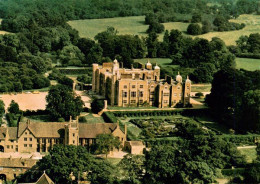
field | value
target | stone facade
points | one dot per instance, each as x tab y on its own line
134	87
31	137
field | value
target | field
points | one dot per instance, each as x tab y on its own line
135	26
250	154
89	28
164	62
252	26
248	64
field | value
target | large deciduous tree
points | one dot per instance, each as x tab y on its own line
64	160
106	143
14	107
62	102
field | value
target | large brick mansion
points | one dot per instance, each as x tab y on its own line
29	136
133	87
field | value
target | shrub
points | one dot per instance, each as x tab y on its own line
199	95
97	105
82	119
194	29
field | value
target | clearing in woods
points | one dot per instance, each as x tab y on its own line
135	26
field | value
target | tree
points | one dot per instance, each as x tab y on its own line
155	27
106	143
233	95
64	160
14	107
62	102
97	105
152	44
206	26
2	108
196	18
133	168
194	29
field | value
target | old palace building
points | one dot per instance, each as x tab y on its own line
31	136
139	86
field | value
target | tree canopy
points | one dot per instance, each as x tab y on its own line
62	102
64	160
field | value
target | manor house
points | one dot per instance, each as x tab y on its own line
31	136
139	86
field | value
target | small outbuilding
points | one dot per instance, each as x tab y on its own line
134	147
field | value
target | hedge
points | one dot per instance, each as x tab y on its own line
37	112
248	55
76	71
241	139
232	172
186	112
109	117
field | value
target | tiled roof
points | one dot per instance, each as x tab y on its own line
42	129
136	143
55	129
44	179
92	130
2	132
12	131
17	162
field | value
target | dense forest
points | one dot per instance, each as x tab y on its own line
44	38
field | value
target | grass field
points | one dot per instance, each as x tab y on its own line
248	64
135	26
250	154
163	62
252	26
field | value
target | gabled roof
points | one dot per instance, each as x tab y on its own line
17	162
2	132
92	130
44	179
42	129
11	131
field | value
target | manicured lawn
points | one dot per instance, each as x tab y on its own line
135	26
250	154
163	62
201	88
94	119
248	64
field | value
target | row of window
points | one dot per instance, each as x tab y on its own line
27	145
133	86
25	139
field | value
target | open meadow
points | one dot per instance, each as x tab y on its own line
135	26
248	64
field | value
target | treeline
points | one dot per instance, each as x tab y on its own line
247	46
234	99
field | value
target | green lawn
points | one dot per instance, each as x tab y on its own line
92	119
89	28
201	88
135	26
163	62
248	64
250	154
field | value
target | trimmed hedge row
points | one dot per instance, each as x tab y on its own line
109	117
233	172
146	113
76	71
241	139
248	55
185	112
